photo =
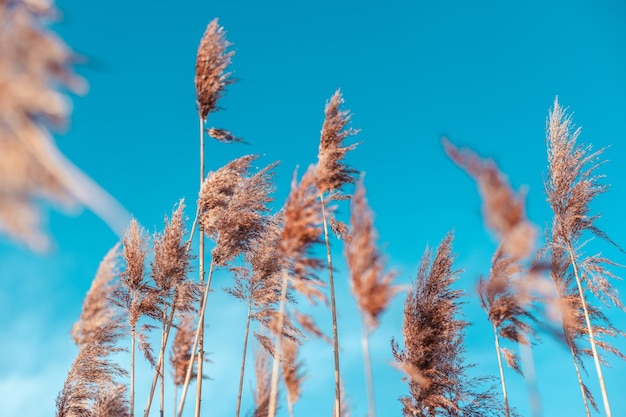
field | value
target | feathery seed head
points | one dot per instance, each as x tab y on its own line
370	285
503	209
333	173
211	63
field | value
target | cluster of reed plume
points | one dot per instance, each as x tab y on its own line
145	283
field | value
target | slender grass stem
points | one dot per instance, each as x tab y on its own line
243	358
596	358
333	308
580	383
132	372
271	409
201	267
205	296
504	394
367	361
161	366
531	379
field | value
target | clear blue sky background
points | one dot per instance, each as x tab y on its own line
483	73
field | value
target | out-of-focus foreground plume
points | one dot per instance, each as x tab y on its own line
370	284
292	372
301	231
233	206
504	210
34	65
181	349
91	387
263	374
433	333
333	173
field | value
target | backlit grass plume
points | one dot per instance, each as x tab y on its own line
301	231
135	296
260	286
232	211
433	353
571	186
333	174
169	271
510	315
212	61
91	387
370	284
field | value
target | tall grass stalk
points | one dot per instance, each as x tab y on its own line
592	341
333	309
205	296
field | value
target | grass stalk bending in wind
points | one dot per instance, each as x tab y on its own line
371	286
333	174
501	297
135	296
301	230
259	287
211	80
432	357
571	186
90	388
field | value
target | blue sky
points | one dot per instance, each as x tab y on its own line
483	73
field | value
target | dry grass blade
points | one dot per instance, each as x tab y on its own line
370	285
211	63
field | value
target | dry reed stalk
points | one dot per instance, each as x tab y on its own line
211	79
171	264
35	67
333	174
300	232
432	357
180	356
370	285
135	296
259	288
571	186
90	385
508	313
